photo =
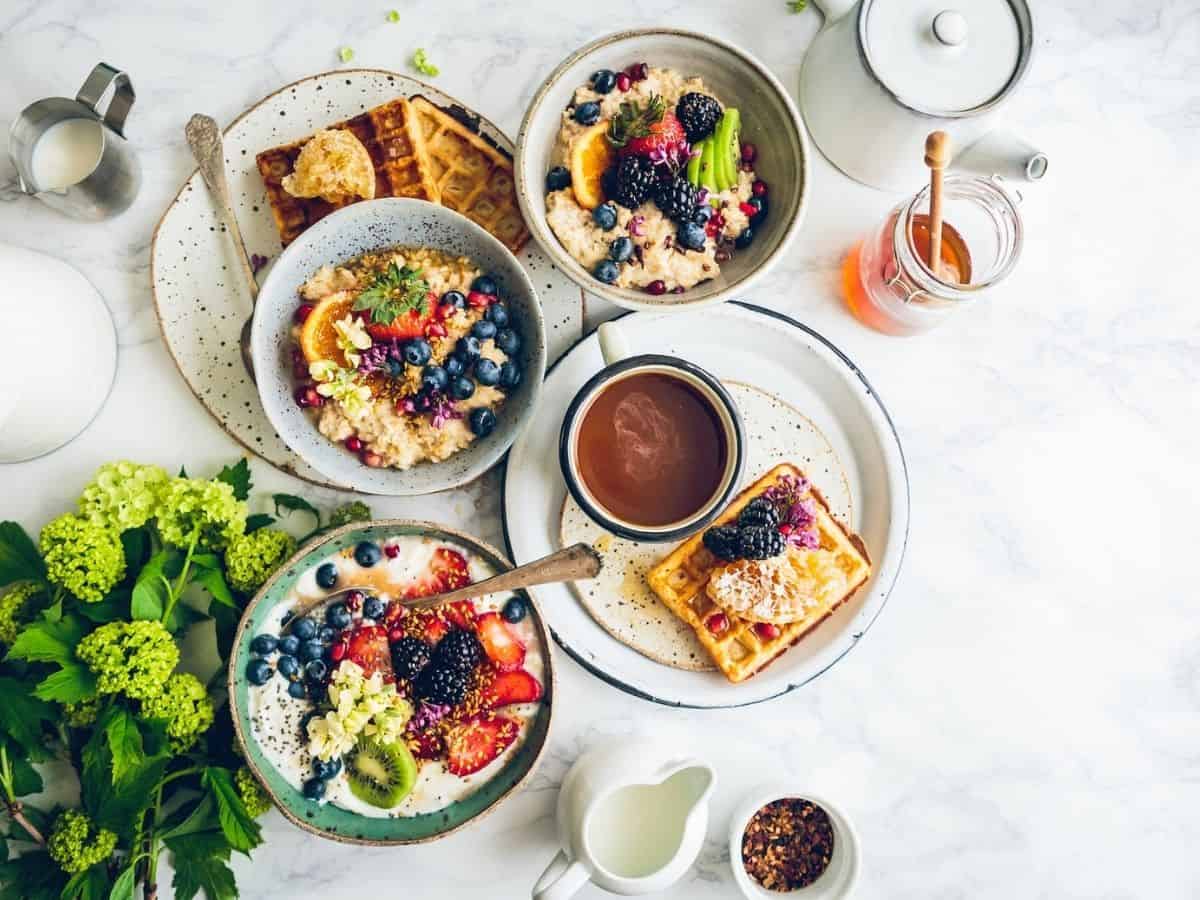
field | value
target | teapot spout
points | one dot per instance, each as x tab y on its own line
1002	153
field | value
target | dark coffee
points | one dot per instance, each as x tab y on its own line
651	449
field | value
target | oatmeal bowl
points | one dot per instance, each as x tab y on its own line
398	347
662	169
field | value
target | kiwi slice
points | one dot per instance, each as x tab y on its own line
708	165
381	774
725	145
693	166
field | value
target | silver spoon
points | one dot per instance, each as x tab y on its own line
204	137
576	561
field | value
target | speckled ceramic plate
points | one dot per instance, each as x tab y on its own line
331	821
200	300
736	342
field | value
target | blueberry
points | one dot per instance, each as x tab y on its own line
314	789
487	372
264	644
605	215
367	553
704	212
461	388
454	298
604	80
316	670
620	249
395	367
514	610
327	634
497	314
327	575
326	770
759	204
587	113
558	178
455	365
508	340
434	378
374	608
305	629
606	271
745	239
298	690
417	352
311	650
486	284
338	616
288	666
482	420
510	375
305	719
289	645
690	236
258	671
483	329
468	347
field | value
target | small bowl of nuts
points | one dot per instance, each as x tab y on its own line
786	840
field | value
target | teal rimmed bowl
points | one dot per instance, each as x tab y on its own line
327	820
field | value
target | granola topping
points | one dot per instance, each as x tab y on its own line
787	844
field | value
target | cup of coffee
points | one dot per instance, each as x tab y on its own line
652	446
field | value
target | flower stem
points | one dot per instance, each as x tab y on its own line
15	808
181	582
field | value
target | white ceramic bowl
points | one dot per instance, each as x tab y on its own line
769	120
347	233
836	882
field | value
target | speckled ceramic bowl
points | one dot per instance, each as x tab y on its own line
769	120
347	233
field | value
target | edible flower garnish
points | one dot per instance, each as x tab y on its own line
394	291
797	511
361	705
421	63
673	156
380	355
635	226
351	337
340	385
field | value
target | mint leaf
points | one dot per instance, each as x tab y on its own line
125	745
19	558
70	684
237	477
242	832
257	521
393	292
151	590
48	641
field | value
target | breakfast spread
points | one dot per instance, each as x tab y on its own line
404	355
388	712
652	187
773	566
788	844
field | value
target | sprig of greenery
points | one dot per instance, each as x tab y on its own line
394	291
633	120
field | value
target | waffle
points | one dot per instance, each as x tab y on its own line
471	176
393	141
740	651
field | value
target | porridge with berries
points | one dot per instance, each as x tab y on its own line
404	355
385	712
651	186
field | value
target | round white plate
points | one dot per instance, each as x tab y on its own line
198	293
760	347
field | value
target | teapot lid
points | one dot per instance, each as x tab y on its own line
949	58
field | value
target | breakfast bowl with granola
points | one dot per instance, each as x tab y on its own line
399	347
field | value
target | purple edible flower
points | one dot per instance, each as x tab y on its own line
635	225
443	410
797	511
427	715
673	156
257	261
377	356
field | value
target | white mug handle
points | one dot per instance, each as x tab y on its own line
562	878
613	346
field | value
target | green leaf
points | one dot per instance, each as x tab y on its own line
26	779
213	581
183	472
152	590
237	477
19	559
31	876
70	684
393	292
90	884
292	503
48	641
257	521
183	616
117	806
113	607
201	817
125	745
22	715
242	832
136	543
122	888
211	874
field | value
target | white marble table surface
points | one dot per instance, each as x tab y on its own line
1024	719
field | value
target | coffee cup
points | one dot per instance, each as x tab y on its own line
652	446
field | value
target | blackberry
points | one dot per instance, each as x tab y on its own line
722	542
409	657
759	511
756	542
458	650
634	182
677	199
698	114
446	686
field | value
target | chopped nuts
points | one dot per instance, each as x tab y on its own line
787	844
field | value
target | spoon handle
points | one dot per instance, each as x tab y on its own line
204	138
577	561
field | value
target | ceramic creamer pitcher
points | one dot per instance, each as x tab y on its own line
631	818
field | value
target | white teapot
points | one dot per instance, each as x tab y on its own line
882	74
631	818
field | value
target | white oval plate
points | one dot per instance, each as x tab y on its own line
746	343
198	294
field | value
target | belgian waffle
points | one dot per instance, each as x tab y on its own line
470	175
739	650
394	142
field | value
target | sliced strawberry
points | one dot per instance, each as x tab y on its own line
474	743
451	569
368	647
461	614
664	134
426	744
407	325
508	688
502	647
432	629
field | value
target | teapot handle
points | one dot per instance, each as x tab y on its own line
562	879
97	85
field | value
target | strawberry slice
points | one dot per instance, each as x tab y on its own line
663	135
407	325
368	647
461	614
450	568
473	744
426	744
508	688
502	647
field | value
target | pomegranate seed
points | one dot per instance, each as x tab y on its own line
786	529
656	288
749	152
445	310
624	82
354	600
766	631
391	551
353	444
303	311
678	289
435	329
374	460
301	397
312	398
478	300
638	71
299	365
396	634
759	188
749	209
337	652
722	256
717	623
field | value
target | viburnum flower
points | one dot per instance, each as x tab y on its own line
253	558
130	658
18	607
76	844
184	706
201	511
254	797
81	714
82	557
123	495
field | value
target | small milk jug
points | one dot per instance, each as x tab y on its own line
631	818
75	158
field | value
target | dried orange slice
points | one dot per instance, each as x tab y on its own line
318	337
591	155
